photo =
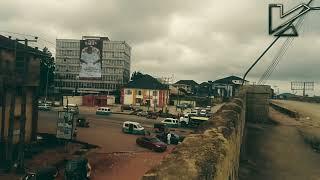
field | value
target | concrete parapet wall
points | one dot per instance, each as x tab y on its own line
257	102
212	154
284	110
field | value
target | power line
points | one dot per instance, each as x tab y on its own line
48	43
259	58
280	54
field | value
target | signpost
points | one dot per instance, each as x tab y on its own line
65	125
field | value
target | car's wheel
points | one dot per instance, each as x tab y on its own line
183	124
154	149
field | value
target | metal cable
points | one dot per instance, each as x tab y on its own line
280	54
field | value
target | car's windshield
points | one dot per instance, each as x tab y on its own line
154	140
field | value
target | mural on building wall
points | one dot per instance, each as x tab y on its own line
90	59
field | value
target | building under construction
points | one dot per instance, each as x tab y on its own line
19	79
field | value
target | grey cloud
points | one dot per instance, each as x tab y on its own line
194	40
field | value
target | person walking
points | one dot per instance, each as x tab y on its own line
168	138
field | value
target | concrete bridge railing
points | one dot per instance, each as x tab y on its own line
214	152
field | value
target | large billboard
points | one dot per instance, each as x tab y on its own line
90	59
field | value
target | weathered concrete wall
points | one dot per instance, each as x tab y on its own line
214	152
211	154
258	98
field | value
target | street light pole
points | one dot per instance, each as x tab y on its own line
48	69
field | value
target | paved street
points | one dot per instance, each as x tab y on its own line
118	152
309	112
278	152
104	131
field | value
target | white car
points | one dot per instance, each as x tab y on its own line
184	121
194	113
203	112
72	108
44	107
171	122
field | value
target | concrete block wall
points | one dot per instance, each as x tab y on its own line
213	153
257	98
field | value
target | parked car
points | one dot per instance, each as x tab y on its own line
79	169
184	106
142	113
171	122
127	107
82	121
208	108
203	112
56	103
175	139
133	128
192	121
48	102
160	128
193	113
184	120
197	108
103	111
152	115
44	107
46	173
135	112
152	143
72	108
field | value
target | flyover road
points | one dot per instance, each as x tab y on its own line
309	112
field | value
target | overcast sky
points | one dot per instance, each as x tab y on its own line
201	40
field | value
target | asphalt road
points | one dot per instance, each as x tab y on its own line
278	152
309	112
104	131
48	119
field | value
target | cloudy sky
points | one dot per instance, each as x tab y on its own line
201	40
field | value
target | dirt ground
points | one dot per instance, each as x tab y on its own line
278	152
124	166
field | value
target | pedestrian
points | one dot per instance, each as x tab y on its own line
168	138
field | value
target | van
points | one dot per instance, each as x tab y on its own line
103	111
133	128
171	122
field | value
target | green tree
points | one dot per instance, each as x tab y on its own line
46	72
136	75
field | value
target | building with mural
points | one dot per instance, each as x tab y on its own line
92	65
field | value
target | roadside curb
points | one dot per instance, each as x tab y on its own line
282	109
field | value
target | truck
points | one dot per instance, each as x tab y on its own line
192	121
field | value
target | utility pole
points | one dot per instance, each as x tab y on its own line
149	101
23	105
9	145
48	68
3	116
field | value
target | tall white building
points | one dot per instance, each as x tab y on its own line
114	66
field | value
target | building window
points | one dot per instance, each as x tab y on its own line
154	93
128	92
139	93
155	101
